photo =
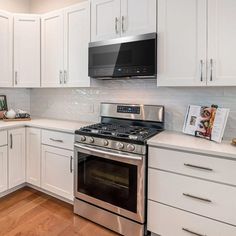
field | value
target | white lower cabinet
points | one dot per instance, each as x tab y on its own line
57	171
212	200
33	156
38	157
16	157
168	221
190	194
3	169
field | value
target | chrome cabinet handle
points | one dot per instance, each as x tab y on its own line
211	70
11	141
60	76
198	167
198	198
116	25
71	165
16	77
201	77
65	77
56	140
123	24
192	232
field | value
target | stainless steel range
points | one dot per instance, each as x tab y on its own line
111	166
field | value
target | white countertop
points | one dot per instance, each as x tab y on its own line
166	139
180	141
58	125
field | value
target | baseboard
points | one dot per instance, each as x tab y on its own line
9	191
49	193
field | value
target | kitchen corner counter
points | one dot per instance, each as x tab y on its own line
56	125
183	142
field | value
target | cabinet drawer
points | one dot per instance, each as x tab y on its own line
216	201
197	165
168	221
58	139
3	138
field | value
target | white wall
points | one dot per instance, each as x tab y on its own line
18	6
43	6
82	104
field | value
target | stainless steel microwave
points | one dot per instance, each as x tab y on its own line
134	57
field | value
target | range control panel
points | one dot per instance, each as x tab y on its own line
128	109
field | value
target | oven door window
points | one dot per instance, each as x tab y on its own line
110	181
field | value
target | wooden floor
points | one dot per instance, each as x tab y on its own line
28	212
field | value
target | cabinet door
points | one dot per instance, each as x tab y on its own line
26	51
221	42
16	155
77	37
3	169
52	49
138	17
57	171
105	19
33	140
181	43
6	27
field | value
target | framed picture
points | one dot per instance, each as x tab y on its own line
3	105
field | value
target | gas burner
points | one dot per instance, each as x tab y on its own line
119	131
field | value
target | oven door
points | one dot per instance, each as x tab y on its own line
111	180
133	56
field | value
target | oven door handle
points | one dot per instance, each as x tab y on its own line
116	154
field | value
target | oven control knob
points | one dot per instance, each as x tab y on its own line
82	138
120	146
130	147
105	142
91	140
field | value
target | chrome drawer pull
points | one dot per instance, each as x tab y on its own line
198	198
198	167
56	140
192	232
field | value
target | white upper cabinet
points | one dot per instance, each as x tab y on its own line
116	18
105	19
52	49
181	42
138	16
77	38
26	50
65	38
221	42
6	27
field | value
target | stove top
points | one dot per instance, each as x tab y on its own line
123	127
120	132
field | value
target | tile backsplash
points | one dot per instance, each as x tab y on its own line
82	104
17	98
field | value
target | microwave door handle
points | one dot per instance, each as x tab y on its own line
121	155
